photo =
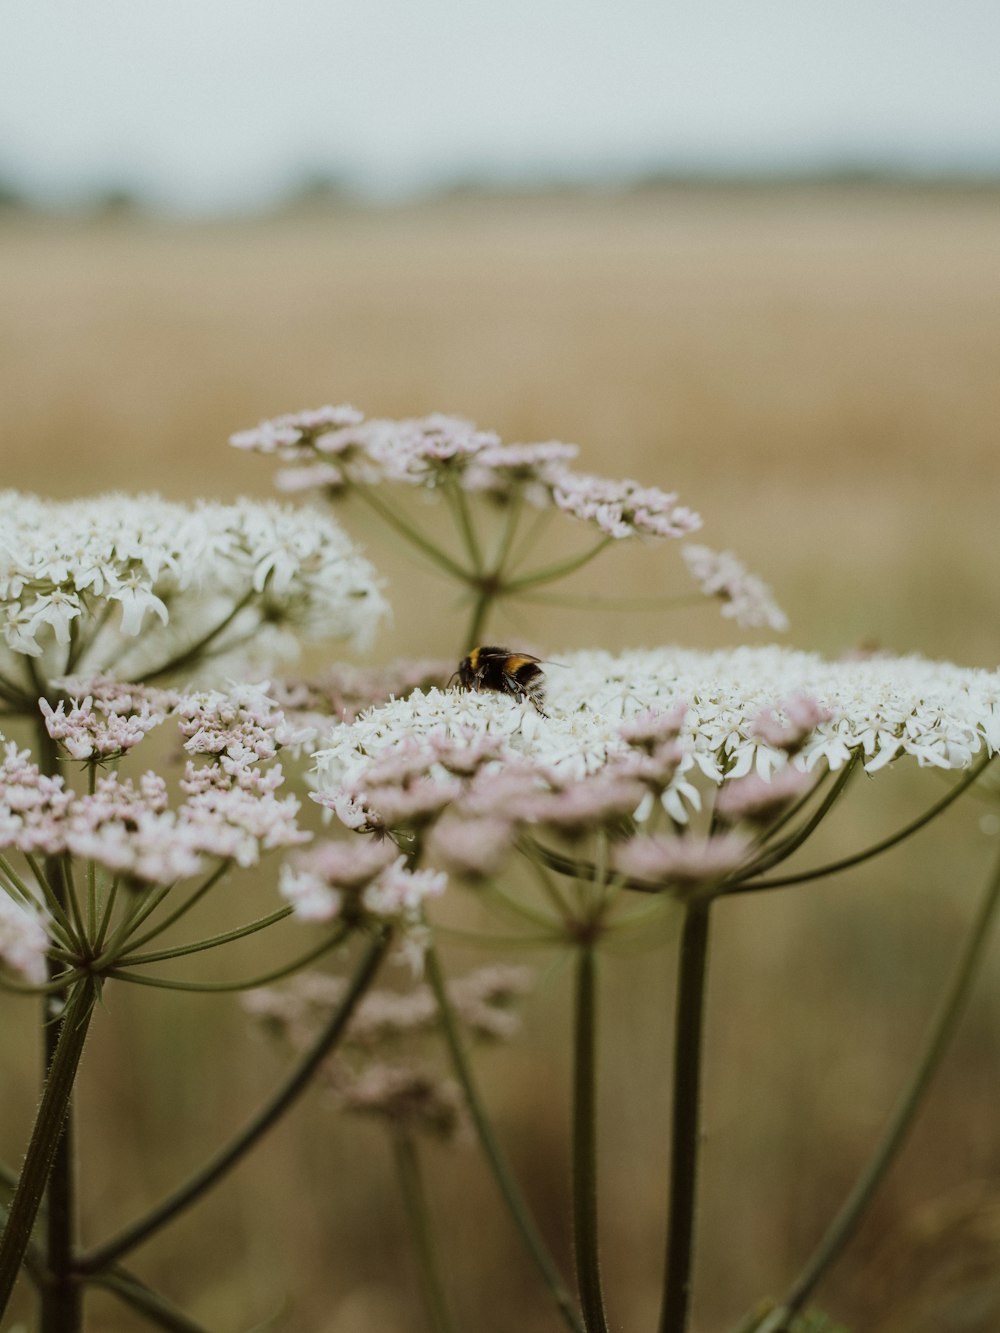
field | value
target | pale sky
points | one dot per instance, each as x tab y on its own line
215	103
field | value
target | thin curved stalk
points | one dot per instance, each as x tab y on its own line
411	534
460	508
213	1170
782	850
509	1190
156	1308
689	1020
843	1226
194	651
418	1216
49	1127
585	1230
481	609
217	987
747	885
212	942
183	909
559	570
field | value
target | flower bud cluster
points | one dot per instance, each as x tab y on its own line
108	721
335	447
230	809
745	598
377	1070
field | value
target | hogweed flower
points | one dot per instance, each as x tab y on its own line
377	1070
137	587
632	737
882	710
132	831
336	451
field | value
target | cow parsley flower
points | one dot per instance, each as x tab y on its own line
732	721
336	448
137	586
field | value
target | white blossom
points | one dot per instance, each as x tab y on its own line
131	583
881	709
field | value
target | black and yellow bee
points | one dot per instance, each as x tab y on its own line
504	671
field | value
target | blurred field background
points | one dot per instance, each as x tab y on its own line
815	371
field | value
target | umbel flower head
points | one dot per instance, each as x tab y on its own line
229	809
732	713
335	448
379	1069
137	586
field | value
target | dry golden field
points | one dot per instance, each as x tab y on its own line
815	371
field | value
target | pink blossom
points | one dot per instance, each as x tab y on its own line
684	863
760	800
789	728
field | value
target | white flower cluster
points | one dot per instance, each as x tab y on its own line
131	583
335	447
881	709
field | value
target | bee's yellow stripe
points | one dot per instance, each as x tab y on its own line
516	661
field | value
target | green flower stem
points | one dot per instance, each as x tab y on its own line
685	1131
212	942
842	1227
135	914
81	644
418	1216
558	571
297	1081
511	521
767	837
61	1305
19	701
50	1124
585	1230
51	892
56	986
483	605
194	651
595	602
157	1309
106	915
33	1264
502	1174
71	898
460	508
265	979
782	850
136	942
745	885
412	535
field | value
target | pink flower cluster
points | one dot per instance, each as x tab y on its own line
109	720
377	1070
335	448
230	809
745	598
369	881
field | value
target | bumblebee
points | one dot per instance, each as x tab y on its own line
505	672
